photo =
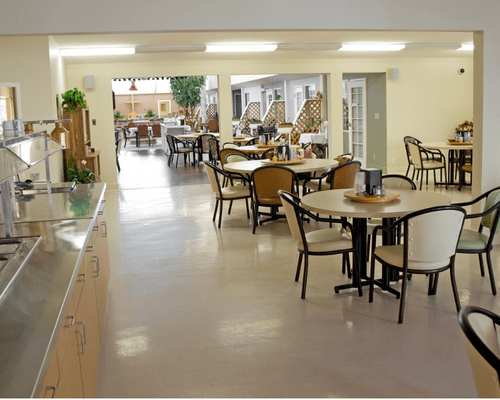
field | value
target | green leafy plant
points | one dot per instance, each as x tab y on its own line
286	123
73	99
118	115
186	91
79	175
150	114
255	120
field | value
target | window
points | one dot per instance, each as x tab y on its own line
298	98
310	91
247	99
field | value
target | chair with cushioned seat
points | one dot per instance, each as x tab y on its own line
423	160
228	193
482	331
322	242
339	177
430	239
479	241
176	147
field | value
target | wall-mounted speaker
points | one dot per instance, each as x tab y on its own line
394	73
89	81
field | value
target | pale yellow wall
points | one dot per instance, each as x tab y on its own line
26	60
427	100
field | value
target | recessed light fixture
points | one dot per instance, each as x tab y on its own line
239	47
96	51
467	47
371	47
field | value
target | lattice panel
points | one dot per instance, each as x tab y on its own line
310	109
212	111
251	111
275	113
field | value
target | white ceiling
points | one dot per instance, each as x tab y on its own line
294	44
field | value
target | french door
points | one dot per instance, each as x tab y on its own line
355	117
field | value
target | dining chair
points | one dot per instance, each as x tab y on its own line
321	242
156	130
229	145
423	160
214	154
177	147
265	182
200	147
127	135
268	154
339	177
118	148
464	167
227	193
481	329
480	241
142	131
430	239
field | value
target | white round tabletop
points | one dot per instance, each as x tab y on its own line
310	165
333	202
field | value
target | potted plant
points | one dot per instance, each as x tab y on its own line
150	114
79	175
72	100
118	115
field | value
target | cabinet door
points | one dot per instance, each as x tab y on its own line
51	381
100	265
88	329
70	382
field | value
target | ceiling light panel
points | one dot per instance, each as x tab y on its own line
240	47
467	47
371	47
96	51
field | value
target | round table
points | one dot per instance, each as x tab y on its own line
333	202
310	165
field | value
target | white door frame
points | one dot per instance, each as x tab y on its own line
350	84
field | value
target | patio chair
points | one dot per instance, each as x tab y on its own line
118	148
200	147
177	147
127	135
481	330
322	242
227	193
423	160
430	239
464	167
214	154
142	132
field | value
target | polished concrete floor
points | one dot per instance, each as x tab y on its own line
196	311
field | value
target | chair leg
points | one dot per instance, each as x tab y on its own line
433	284
118	164
304	279
403	298
220	214
299	264
454	286
216	207
481	264
490	271
255	216
248	212
230	206
372	279
421	179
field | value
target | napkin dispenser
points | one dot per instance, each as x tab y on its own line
373	179
283	150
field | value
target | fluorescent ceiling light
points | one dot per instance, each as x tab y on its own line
239	47
467	47
96	51
371	47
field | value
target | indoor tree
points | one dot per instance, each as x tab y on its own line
186	91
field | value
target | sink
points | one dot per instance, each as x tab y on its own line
14	253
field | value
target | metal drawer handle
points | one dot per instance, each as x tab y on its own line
89	249
72	318
82	279
83	344
84	332
105	233
52	388
98	268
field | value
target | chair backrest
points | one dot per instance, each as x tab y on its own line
267	180
142	130
343	176
119	145
490	221
171	144
268	154
201	143
213	144
431	235
344	158
224	153
407	140
394	181
212	172
131	125
292	212
229	145
414	154
482	331
156	129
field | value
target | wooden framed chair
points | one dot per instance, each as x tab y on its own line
266	182
430	239
200	147
142	132
156	130
480	241
322	242
227	193
481	329
214	154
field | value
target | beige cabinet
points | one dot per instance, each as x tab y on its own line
75	361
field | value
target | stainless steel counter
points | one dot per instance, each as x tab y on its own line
31	310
